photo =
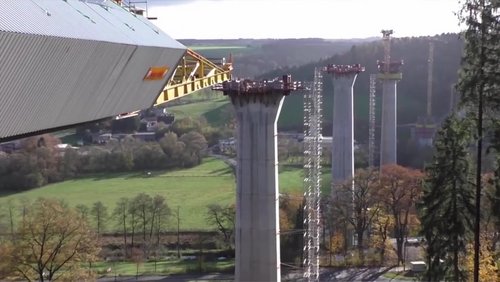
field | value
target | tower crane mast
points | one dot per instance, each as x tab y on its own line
386	38
430	69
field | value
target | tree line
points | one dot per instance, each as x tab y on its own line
39	162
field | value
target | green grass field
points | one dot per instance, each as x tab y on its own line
210	109
291	179
162	267
191	189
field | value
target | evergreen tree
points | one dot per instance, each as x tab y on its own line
447	207
479	83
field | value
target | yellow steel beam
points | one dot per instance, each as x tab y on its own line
193	73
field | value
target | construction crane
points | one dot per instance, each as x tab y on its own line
430	69
194	72
425	126
386	38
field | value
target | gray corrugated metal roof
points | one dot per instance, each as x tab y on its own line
50	76
83	20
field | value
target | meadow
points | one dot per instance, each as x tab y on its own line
191	189
211	109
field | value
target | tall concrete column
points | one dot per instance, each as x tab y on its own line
257	213
257	106
388	141
343	128
343	78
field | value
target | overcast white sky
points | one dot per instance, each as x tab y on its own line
213	19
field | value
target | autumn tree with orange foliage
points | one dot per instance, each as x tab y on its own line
380	231
355	202
400	188
291	214
489	268
53	242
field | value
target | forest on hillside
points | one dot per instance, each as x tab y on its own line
254	57
412	89
267	59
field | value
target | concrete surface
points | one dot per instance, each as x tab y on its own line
388	141
257	216
343	128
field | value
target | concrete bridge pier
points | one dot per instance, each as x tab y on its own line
257	196
343	78
257	105
388	143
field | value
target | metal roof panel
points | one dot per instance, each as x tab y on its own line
81	19
58	67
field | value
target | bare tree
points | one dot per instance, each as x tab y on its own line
83	210
143	204
160	213
223	217
122	215
100	213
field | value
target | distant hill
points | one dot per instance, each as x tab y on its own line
411	90
254	57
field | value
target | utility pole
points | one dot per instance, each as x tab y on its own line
430	70
178	233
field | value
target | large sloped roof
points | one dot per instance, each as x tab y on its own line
91	20
64	62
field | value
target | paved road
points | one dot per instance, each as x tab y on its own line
229	161
172	278
354	274
360	274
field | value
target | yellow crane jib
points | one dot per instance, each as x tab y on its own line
194	72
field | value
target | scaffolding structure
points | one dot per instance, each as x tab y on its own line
312	175
371	117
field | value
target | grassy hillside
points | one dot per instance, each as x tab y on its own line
191	189
212	109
